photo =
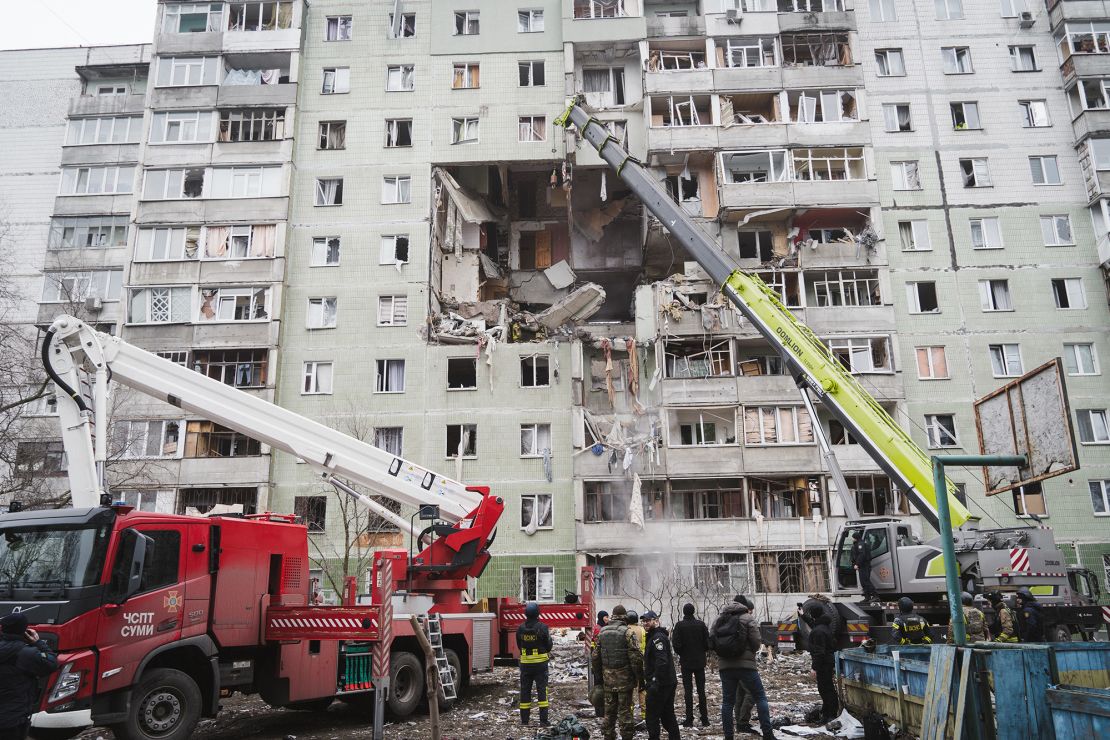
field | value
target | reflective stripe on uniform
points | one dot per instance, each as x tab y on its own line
533	656
526	705
543	704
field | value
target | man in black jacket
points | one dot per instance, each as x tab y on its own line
690	638
24	660
659	679
861	561
1030	619
822	652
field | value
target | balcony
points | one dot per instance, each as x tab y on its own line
257	95
1090	122
1085	65
106	105
679	81
776	458
691	25
602	22
1071	10
699	391
809	22
807	76
225	471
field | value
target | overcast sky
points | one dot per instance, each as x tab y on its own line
34	24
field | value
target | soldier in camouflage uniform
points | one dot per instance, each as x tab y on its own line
617	658
975	622
1004	624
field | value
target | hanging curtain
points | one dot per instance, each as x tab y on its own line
215	241
262	241
327	190
207	307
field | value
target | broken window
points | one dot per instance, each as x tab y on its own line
607	501
940	429
396	189
905	176
200	501
862	354
192	17
1005	360
756	167
698	360
530	74
1085	37
1056	231
237	242
259	16
338	28
462	440
932	363
390	376
875	496
160	305
322	313
762	365
187	71
97	180
777	425
847	288
466	22
208	439
532	128
400	78
325	251
787	285
816	50
535	510
890	63
914	236
329	191
535	250
398	132
994	295
537	583
839	434
234	304
317	378
40	458
786	498
822	106
976	173
590	9
88	232
394	249
663	60
706	499
896	117
683	188
259	124
751	51
756	245
146	439
534	371
393	310
1068	293
965	116
1029	501
462	373
956	60
604	86
312	511
407	29
704	427
336	80
240	368
793	571
535	440
466	76
168	243
1023	59
333	135
529	21
390	439
922	297
828	164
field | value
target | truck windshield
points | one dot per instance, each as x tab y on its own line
47	559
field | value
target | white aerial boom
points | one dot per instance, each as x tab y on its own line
82	361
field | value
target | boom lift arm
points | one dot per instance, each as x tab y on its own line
72	351
813	367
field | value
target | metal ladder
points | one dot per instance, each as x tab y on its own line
434	629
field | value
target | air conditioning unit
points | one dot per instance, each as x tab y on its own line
1026	20
94	304
732	15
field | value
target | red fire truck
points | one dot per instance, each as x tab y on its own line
157	616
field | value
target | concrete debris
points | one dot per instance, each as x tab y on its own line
504	320
560	275
580	305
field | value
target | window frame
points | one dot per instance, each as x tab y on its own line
472	443
918	230
987	299
535	503
903	182
1017	54
398	181
382	249
535	428
317	314
1055	219
1001	360
382	368
1071	348
463	21
340	78
398	305
401	70
1091	415
1104	486
531	65
1067	283
534	358
1030	119
529	26
989	227
336	23
913	297
1037	169
325	243
933	423
885	63
931	362
310	378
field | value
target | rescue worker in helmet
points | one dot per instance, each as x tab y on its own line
1030	619
534	642
975	622
639	696
1004	625
909	628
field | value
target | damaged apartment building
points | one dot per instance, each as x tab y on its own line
366	213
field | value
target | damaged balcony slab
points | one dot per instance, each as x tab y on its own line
479	322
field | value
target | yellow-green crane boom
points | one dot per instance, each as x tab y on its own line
808	359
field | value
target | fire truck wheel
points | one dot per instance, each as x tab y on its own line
165	705
1060	633
406	684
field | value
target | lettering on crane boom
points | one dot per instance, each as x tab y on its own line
139	624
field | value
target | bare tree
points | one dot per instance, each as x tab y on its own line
665	586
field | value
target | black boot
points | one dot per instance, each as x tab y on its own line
543	717
688	722
524	715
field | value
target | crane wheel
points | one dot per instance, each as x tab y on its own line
164	705
836	623
406	684
1060	633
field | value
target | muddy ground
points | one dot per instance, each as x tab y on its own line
487	710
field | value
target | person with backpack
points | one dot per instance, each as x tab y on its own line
822	652
975	622
659	680
735	639
619	662
690	638
1004	624
909	628
533	639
